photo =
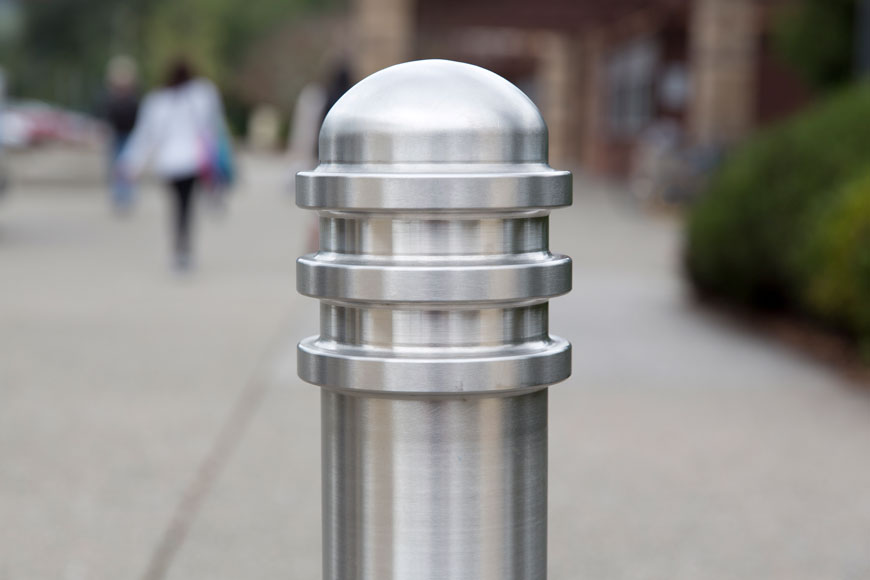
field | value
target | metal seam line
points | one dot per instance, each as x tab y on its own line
228	437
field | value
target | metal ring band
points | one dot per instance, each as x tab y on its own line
430	284
433	192
334	368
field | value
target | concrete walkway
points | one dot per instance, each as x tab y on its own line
152	427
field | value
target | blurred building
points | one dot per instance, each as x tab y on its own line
603	72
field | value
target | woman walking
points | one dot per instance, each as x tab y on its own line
181	129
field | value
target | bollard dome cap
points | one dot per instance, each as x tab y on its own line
434	111
433	135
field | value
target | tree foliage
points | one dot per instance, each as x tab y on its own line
818	38
65	45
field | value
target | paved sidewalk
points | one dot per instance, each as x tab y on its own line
152	427
117	377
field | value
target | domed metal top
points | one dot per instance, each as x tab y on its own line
433	111
433	135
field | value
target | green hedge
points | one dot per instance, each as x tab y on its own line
758	236
836	261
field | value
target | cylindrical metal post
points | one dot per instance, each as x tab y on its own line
434	273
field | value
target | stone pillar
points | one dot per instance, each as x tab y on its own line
383	34
724	45
591	105
559	77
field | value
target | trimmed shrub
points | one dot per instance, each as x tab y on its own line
837	261
746	235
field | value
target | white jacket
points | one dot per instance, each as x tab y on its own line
173	128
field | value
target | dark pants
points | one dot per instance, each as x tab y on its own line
182	197
122	187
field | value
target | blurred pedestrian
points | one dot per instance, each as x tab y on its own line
338	85
120	108
303	132
182	126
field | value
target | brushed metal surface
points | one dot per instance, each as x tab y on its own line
434	490
434	111
339	278
416	189
410	330
505	370
435	236
434	272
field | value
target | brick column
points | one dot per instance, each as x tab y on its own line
724	39
383	34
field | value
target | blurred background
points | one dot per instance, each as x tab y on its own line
718	419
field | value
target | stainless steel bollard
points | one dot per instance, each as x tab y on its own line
433	192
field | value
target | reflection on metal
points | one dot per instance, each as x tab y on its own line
433	192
